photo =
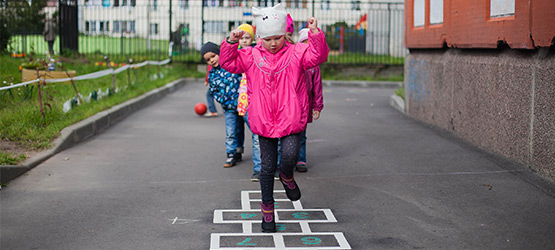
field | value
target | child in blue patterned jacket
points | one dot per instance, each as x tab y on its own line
224	87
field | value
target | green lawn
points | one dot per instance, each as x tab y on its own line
95	44
362	58
21	119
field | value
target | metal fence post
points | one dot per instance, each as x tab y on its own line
24	43
121	40
170	38
202	23
388	29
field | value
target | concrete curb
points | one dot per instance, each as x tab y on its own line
397	102
364	84
89	127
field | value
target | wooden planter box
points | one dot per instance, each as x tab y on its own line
29	74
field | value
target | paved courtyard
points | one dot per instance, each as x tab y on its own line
376	180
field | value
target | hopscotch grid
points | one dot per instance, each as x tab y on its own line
305	227
218	215
247	228
245	202
260	200
279	241
297	205
278	238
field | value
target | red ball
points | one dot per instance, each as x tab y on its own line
200	108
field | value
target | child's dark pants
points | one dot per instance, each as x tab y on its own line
268	154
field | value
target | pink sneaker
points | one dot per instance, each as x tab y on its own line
301	167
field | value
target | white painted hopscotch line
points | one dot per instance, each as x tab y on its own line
293	226
279	241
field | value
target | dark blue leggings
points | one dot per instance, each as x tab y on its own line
269	155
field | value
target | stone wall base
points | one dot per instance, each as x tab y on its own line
502	101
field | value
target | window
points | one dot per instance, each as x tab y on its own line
419	12
234	3
211	3
436	11
355	5
116	3
87	26
106	3
325	5
128	2
268	3
153	28
95	2
214	3
296	4
93	26
232	25
154	4
132	26
124	26
501	8
104	26
184	4
214	27
116	28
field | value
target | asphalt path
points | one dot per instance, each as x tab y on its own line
155	180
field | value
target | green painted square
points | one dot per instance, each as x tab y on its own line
301	215
281	227
277	205
258	196
310	241
246	241
227	216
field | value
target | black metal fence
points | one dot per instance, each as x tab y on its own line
358	32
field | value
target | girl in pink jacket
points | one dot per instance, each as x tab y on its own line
278	99
315	102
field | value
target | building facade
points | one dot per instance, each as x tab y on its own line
199	21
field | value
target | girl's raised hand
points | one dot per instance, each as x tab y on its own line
236	34
312	24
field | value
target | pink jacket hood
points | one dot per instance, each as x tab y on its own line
276	86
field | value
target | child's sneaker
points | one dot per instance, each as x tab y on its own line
291	189
230	161
276	175
268	220
301	167
255	177
238	157
210	114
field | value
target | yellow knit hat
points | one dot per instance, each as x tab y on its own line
248	28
